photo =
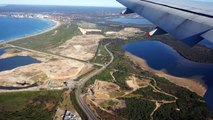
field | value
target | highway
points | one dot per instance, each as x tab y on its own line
90	114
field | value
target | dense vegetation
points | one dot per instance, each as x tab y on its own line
187	101
148	93
170	112
120	78
50	39
180	92
121	62
136	109
36	105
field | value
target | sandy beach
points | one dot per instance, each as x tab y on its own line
57	24
192	84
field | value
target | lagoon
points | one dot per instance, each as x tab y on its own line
16	61
142	21
160	56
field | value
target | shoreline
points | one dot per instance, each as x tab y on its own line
193	85
56	25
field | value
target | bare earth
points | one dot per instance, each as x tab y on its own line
101	96
50	70
132	82
192	84
85	31
102	89
126	32
80	47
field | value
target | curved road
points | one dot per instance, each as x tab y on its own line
90	114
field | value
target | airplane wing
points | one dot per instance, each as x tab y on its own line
188	21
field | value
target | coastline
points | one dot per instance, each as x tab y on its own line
192	84
56	24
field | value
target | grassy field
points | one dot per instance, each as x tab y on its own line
102	56
105	76
50	39
12	51
108	103
37	105
2	46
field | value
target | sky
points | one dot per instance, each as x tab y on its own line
204	0
101	3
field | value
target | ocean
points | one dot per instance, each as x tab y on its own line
12	28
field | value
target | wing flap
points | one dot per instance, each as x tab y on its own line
208	35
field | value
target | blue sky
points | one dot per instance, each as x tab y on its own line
106	3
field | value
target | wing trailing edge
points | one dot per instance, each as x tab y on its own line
208	35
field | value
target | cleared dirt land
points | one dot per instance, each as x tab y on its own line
79	47
51	69
124	33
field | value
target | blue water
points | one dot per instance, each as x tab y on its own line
13	62
162	57
132	21
2	51
11	28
